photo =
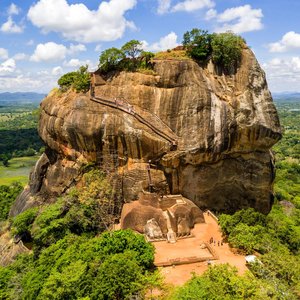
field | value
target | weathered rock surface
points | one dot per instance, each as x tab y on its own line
223	126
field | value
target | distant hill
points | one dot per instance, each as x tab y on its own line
286	97
20	98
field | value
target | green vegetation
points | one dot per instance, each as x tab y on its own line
130	57
287	182
222	282
198	44
18	128
79	80
225	49
8	194
70	260
22	223
78	266
18	170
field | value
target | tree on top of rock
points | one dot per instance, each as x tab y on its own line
132	49
197	43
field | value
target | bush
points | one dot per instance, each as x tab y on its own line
130	57
22	223
198	44
121	240
79	80
219	282
227	50
66	81
8	194
119	277
110	59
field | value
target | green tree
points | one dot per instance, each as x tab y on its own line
220	282
119	277
122	240
146	57
22	223
132	49
227	50
66	81
82	79
110	58
8	194
198	44
79	80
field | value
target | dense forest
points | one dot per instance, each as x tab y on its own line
18	128
70	259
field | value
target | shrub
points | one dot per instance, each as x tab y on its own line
226	50
66	81
110	58
119	277
197	43
219	282
79	80
8	194
130	57
22	223
121	240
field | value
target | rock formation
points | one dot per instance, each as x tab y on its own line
207	135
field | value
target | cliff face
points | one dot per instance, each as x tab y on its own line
208	135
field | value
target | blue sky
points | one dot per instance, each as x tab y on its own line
41	40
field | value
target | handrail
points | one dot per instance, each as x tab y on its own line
136	115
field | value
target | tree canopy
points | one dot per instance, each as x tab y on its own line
130	57
225	49
79	80
132	49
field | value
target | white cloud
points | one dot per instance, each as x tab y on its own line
210	14
76	48
75	62
11	27
192	5
163	6
76	22
20	56
237	19
3	53
167	42
49	52
25	83
13	9
283	74
30	43
54	52
57	71
290	41
98	48
8	66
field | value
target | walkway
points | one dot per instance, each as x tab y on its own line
145	117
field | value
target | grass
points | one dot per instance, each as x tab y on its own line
17	170
172	54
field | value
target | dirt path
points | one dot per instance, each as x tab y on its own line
179	274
